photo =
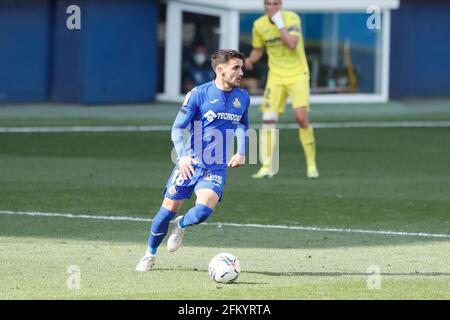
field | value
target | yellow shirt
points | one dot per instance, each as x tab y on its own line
284	63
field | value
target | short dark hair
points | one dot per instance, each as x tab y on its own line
224	55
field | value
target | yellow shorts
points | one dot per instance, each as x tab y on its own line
277	91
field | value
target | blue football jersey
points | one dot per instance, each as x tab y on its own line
213	116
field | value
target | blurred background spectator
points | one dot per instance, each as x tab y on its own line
198	69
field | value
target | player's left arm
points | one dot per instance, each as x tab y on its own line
288	39
238	160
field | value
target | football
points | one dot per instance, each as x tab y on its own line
224	268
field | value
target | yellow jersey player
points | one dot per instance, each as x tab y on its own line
279	33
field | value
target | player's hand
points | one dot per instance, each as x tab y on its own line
248	64
277	19
186	167
236	161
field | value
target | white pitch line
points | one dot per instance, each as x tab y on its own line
372	124
84	129
219	224
150	128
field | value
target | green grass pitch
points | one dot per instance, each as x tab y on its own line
393	179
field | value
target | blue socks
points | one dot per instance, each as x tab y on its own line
195	215
159	228
160	224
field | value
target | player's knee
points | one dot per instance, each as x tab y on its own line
269	120
303	123
302	119
201	213
270	117
171	205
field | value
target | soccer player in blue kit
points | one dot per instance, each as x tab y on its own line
211	112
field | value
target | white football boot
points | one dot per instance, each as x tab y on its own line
146	263
263	173
176	238
312	172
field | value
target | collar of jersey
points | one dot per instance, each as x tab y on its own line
224	91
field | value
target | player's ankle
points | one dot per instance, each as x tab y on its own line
151	252
181	224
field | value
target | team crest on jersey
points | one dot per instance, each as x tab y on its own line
236	103
172	190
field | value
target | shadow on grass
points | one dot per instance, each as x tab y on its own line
344	274
312	274
206	271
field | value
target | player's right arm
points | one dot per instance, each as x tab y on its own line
258	49
253	58
183	119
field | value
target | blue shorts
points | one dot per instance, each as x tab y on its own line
178	189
